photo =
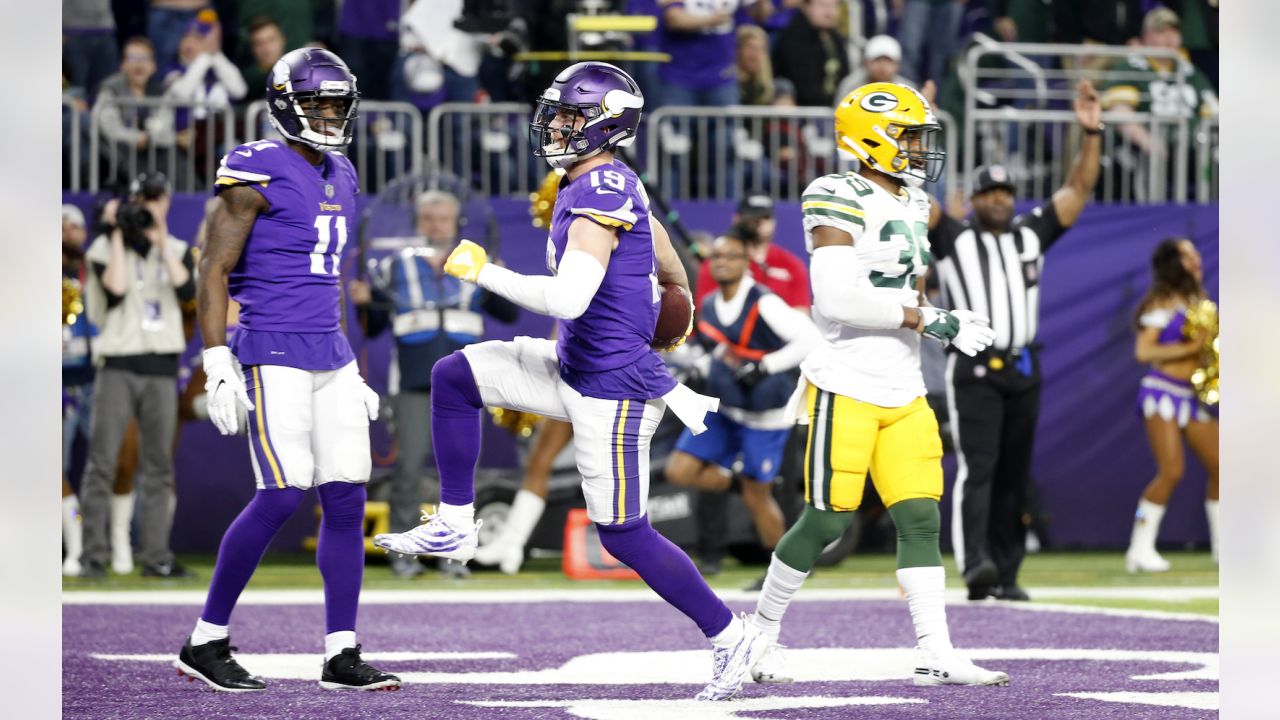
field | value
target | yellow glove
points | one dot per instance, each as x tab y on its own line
465	261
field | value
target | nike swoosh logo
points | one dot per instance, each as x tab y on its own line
244	153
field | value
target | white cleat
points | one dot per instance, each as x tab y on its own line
507	557
772	667
1136	561
435	537
732	665
952	669
71	567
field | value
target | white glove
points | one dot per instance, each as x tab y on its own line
371	400
968	331
224	387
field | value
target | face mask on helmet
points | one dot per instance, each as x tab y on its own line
566	133
312	99
920	158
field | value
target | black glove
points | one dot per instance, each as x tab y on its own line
750	373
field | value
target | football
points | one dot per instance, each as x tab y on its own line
674	316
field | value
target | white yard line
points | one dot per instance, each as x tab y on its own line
641	594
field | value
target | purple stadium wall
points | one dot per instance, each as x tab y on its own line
1091	458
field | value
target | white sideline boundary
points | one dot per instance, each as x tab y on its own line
640	594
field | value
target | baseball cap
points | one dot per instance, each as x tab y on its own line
73	215
203	22
1160	18
756	206
882	46
991	177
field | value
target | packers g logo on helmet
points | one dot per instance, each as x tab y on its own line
890	128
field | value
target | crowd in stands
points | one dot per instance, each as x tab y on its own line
426	52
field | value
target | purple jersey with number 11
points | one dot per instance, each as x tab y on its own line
287	279
605	353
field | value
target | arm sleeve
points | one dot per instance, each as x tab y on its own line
564	296
1043	221
187	290
791	325
842	292
942	238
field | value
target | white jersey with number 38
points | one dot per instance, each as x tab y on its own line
890	235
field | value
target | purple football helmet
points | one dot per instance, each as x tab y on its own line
593	106
305	74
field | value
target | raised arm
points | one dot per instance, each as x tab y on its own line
1071	198
565	295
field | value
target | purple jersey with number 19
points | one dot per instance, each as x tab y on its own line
605	353
287	279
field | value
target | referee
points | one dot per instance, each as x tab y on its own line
991	264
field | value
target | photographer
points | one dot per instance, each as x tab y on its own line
139	275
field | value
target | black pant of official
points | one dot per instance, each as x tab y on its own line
994	406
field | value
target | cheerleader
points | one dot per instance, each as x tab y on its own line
1167	400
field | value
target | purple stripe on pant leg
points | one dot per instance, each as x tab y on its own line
613	459
631	456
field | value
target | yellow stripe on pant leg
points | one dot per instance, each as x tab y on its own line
908	457
620	448
260	408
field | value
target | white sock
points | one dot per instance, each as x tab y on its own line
121	520
1146	526
71	530
729	636
336	642
780	585
208	632
523	517
925	588
1211	512
458	516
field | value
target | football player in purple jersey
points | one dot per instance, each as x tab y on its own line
274	244
607	257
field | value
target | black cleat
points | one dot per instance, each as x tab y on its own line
1014	593
981	580
346	671
168	569
92	570
212	663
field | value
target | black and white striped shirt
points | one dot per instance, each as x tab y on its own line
996	275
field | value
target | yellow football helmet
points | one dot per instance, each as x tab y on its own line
890	128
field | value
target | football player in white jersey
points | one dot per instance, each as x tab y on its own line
862	387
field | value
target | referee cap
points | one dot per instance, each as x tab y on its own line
991	177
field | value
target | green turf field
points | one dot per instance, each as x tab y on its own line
1073	573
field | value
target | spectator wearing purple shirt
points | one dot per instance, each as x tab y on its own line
369	39
699	36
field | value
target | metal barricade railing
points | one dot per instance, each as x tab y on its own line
386	141
73	131
716	153
485	145
185	140
1018	113
1207	160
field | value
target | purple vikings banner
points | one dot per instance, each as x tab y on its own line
1091	457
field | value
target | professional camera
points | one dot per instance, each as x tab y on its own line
132	217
